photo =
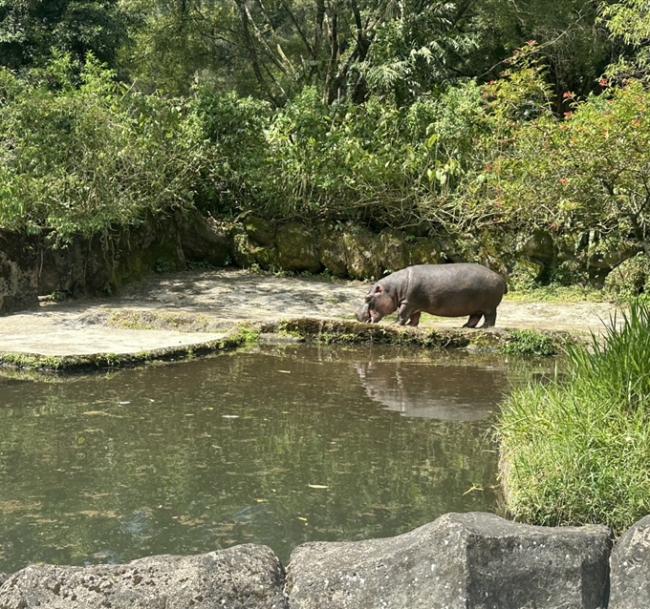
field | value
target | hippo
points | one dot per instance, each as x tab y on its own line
448	290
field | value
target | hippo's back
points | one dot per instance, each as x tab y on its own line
457	288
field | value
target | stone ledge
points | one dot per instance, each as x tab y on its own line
101	361
328	331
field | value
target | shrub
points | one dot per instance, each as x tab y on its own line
529	342
578	451
631	277
80	159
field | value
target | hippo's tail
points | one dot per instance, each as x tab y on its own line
505	287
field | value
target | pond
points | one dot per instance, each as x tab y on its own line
279	445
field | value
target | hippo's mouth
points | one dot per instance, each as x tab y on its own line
374	316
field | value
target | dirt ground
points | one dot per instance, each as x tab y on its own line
194	307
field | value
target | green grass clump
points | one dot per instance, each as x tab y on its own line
578	451
530	343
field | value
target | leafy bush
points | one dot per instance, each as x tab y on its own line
631	277
529	342
578	451
80	159
581	176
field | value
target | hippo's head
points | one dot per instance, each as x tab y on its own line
378	304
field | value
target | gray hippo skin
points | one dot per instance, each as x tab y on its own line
447	290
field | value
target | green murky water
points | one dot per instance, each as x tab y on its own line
277	446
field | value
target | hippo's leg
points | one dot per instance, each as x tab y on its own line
404	314
490	319
474	318
414	320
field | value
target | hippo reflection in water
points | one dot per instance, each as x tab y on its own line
448	290
433	392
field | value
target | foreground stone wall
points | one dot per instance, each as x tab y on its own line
464	561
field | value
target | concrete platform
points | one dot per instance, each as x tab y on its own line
188	310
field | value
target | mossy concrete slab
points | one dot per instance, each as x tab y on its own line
166	316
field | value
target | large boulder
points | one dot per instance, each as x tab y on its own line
362	253
540	247
630	569
298	248
460	561
247	253
332	252
631	277
18	273
204	240
243	577
525	274
393	250
425	251
260	230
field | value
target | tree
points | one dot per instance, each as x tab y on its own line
629	24
31	29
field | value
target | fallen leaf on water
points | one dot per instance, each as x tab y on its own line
317	486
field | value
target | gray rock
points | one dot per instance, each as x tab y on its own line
261	231
243	577
468	561
298	248
204	240
362	253
3	577
630	568
332	253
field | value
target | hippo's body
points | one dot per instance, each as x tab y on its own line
448	290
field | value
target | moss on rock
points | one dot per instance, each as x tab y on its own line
425	251
525	274
393	252
298	248
631	277
99	361
362	254
247	254
260	230
332	253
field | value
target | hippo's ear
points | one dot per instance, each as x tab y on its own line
378	289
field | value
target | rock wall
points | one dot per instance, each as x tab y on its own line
102	264
18	272
30	267
468	561
343	251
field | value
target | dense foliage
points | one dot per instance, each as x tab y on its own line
80	157
483	121
577	451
